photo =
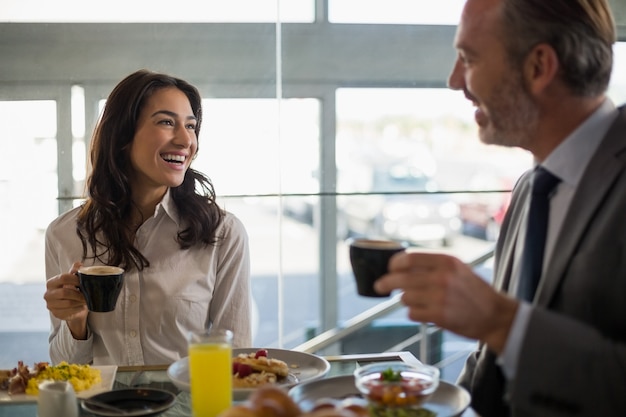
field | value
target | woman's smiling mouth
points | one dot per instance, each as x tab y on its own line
174	159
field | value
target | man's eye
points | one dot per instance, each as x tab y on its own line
465	60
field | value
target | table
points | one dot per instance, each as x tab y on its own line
155	376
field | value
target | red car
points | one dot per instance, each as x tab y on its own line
482	213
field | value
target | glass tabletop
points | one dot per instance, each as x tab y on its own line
155	376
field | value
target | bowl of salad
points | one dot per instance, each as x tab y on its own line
397	388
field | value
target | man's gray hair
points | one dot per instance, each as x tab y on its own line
582	32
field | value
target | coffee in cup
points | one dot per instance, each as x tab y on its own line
101	285
370	260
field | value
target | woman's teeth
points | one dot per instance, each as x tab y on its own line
173	158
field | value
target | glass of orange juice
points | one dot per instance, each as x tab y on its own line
210	372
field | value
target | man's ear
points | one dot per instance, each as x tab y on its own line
540	67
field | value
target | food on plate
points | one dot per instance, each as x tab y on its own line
260	362
274	397
22	379
393	389
5	375
396	389
15	381
255	369
249	379
239	411
273	401
349	407
401	412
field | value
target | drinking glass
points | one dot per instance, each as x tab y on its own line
210	372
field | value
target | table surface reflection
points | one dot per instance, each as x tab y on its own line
155	376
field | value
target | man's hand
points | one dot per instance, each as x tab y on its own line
443	290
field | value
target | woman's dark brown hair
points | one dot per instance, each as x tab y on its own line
103	219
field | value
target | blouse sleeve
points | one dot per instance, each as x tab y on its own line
62	345
231	303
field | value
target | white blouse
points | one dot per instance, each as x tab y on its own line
181	290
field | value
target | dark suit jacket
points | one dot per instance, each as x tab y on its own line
573	359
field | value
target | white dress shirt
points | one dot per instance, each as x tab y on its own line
568	162
181	290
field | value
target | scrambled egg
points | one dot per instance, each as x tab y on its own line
82	377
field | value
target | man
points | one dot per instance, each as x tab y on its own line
537	72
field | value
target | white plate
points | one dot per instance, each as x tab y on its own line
448	401
107	373
302	367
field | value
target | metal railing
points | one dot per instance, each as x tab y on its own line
351	326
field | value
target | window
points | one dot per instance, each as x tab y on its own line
28	184
238	150
396	11
309	129
160	11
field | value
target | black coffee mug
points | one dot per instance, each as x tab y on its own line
101	285
370	260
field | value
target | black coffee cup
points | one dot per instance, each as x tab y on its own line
370	260
101	285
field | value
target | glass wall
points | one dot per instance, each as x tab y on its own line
28	185
159	11
320	124
256	165
395	12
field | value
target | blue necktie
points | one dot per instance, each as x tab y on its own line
532	258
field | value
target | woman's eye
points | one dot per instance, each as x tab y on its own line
191	126
167	122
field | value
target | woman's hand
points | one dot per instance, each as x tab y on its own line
443	290
66	302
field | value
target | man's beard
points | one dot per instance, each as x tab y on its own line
513	115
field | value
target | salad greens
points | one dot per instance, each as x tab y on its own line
400	412
390	375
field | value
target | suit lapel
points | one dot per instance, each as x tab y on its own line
603	169
511	226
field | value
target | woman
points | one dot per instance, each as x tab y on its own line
186	259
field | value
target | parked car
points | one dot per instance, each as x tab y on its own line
482	212
400	204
